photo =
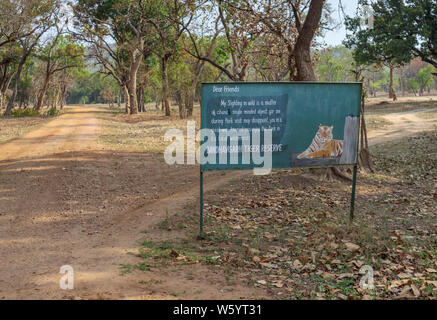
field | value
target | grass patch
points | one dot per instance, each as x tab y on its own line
429	115
376	122
293	232
143	132
166	253
28	112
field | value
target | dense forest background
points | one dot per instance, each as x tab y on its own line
129	53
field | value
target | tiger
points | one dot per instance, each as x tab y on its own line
323	145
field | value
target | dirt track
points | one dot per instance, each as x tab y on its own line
64	200
403	124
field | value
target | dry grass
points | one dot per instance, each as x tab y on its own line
381	109
376	122
290	233
430	115
143	132
11	128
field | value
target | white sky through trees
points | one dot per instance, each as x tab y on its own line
335	37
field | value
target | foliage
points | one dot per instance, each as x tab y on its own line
402	29
25	113
52	112
335	64
424	78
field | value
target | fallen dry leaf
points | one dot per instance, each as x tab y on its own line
351	246
416	291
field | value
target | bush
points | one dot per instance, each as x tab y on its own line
52	112
25	113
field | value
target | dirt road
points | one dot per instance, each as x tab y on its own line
65	200
403	124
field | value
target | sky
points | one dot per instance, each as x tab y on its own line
335	37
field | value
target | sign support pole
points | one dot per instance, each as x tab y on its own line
354	182
201	203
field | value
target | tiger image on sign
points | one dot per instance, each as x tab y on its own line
323	145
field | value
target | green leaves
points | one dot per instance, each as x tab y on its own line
401	30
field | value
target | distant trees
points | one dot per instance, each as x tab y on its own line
59	54
335	64
32	44
134	52
221	33
34	18
424	79
402	30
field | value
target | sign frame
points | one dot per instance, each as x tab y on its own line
354	164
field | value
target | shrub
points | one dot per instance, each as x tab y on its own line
52	112
25	113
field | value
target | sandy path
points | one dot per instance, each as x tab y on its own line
403	124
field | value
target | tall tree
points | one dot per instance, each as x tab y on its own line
170	21
60	54
402	29
120	33
41	19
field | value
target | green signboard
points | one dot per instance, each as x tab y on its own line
279	125
312	124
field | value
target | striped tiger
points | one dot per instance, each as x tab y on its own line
323	145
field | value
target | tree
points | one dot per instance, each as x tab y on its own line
231	39
294	24
424	78
60	54
335	64
18	19
10	56
120	35
402	29
170	20
371	45
41	19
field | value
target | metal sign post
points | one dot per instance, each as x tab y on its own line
354	182
201	203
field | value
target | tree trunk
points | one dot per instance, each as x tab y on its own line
302	55
56	98
364	157
5	86
16	80
304	67
63	100
6	83
141	106
166	103
391	91
180	103
126	99
42	93
135	65
119	99
402	82
189	101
